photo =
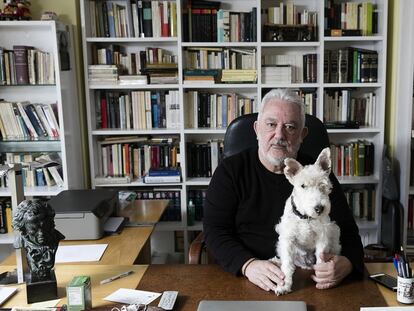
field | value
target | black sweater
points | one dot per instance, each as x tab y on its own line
245	201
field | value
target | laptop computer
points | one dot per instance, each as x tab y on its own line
249	305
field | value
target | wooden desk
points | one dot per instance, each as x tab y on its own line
144	212
65	273
198	282
388	268
132	245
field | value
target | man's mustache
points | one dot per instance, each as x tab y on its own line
280	142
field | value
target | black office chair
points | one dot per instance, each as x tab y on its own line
239	136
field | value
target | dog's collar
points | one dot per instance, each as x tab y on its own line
296	212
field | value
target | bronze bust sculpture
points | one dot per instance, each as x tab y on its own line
35	221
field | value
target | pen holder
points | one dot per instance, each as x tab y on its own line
405	290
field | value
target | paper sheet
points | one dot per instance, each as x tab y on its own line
46	304
6	292
130	296
77	253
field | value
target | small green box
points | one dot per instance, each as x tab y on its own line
79	294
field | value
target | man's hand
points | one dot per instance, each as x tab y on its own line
264	274
331	271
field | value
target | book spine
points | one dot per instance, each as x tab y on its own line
147	18
21	64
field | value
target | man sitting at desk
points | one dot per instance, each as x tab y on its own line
246	199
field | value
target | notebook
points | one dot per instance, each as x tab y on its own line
238	305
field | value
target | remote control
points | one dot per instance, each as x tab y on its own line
168	299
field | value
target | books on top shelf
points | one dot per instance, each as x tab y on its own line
205	21
133	18
26	65
351	18
291	14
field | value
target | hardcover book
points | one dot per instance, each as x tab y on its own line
21	63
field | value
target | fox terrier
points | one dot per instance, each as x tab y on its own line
305	229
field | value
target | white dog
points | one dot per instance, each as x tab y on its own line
305	229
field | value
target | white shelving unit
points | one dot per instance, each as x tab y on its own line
404	108
43	35
369	229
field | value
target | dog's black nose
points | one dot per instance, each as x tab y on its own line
319	209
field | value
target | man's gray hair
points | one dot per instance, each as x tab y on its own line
286	95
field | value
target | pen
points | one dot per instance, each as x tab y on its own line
116	277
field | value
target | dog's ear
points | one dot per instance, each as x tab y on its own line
324	160
292	167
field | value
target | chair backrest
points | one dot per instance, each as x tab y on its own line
240	135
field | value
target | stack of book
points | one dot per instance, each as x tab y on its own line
163	175
239	75
133	80
161	73
208	76
103	74
277	74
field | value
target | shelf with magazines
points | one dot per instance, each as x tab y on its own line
212	39
39	130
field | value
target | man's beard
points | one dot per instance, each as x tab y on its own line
279	161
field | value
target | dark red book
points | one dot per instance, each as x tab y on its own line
21	63
164	19
104	113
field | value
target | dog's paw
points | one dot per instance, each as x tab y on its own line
282	290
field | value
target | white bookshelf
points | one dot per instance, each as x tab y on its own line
369	229
43	35
404	109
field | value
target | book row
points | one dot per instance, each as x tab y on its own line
173	210
360	18
5	216
296	68
38	169
133	63
340	105
27	121
291	14
133	18
198	197
350	65
362	202
215	110
206	22
219	58
135	157
353	159
203	157
26	65
138	110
